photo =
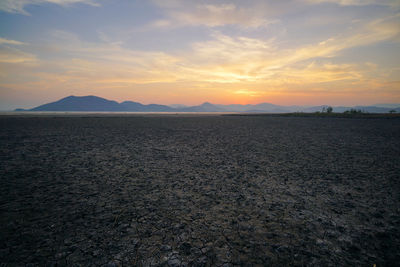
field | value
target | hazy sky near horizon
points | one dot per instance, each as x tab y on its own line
303	52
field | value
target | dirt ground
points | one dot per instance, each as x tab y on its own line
170	190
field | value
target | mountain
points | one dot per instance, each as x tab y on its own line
373	109
387	105
138	107
95	104
177	106
205	107
80	103
132	106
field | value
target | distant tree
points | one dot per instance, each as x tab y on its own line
323	109
329	109
392	111
353	111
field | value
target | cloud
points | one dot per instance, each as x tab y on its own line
17	6
108	63
11	42
358	2
181	14
220	15
12	55
227	59
315	73
246	92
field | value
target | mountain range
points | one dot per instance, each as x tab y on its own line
98	104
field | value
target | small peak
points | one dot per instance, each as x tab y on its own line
68	98
206	104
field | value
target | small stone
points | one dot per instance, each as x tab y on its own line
173	254
195	251
185	248
174	262
96	253
119	257
61	255
165	248
202	260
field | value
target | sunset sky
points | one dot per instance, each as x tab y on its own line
295	52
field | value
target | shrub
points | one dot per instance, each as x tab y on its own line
354	111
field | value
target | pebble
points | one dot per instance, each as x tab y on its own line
174	262
165	248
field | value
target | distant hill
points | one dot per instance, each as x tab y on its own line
94	103
205	107
80	103
177	106
387	105
98	104
138	107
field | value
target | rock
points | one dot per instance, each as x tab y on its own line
175	262
201	261
185	248
195	251
165	248
321	243
60	255
96	253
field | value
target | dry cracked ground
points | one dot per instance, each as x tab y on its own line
199	191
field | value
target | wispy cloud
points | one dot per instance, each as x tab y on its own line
246	92
179	14
12	55
358	2
18	6
236	59
11	42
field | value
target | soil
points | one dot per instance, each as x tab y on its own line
172	190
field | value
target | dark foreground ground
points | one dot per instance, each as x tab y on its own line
199	191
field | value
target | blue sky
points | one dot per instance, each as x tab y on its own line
303	52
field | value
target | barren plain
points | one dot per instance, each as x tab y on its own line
174	190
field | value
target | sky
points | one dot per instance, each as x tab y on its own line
288	52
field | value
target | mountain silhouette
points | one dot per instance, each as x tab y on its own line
95	103
81	103
138	107
205	107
